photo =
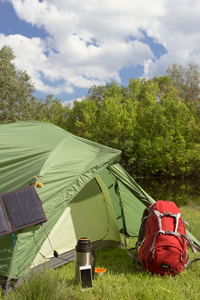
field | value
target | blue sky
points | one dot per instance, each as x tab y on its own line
68	46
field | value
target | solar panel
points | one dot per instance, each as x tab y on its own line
20	209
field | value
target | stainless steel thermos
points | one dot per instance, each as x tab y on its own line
84	256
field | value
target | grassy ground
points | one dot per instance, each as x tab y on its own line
122	280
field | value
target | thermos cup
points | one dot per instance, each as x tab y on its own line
84	256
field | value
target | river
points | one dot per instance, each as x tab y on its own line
181	191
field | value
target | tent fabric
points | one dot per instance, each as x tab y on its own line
85	191
128	198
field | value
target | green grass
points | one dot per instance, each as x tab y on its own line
122	280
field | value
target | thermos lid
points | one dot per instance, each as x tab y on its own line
84	245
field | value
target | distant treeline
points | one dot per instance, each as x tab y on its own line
155	122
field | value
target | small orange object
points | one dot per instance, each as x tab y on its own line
99	271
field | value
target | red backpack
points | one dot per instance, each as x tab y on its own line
164	250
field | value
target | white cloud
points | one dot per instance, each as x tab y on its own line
88	42
178	30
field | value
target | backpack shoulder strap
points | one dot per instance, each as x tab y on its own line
143	225
194	249
141	234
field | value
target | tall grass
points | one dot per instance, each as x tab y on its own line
122	280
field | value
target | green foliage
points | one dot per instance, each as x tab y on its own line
49	110
108	120
187	81
15	89
17	102
155	122
149	121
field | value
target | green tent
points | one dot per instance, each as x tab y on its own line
83	190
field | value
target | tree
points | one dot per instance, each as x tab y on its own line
15	89
177	74
107	116
159	141
187	81
193	82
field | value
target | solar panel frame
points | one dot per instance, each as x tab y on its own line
4	226
20	209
